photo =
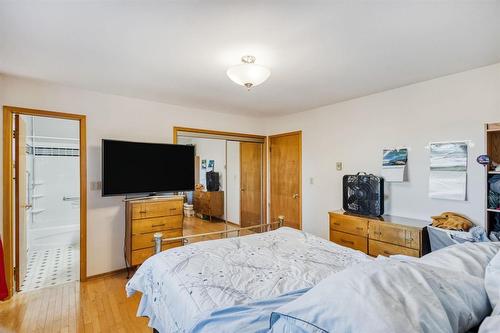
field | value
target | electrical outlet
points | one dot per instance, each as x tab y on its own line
95	186
339	166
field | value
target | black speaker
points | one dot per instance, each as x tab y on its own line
213	181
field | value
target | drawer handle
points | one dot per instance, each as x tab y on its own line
158	225
359	228
387	253
173	208
346	241
336	223
142	212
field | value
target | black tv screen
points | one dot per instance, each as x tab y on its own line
134	167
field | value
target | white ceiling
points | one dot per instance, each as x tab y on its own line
320	52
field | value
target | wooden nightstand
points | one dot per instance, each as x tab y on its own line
386	235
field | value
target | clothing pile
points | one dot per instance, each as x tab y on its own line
451	228
494	192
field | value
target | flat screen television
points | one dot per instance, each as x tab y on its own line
138	168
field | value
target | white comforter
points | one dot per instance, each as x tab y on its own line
179	286
388	296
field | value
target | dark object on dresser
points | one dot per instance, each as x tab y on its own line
363	194
213	183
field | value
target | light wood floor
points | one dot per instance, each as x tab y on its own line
98	305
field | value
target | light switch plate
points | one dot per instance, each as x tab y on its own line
339	166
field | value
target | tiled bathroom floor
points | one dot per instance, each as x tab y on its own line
51	266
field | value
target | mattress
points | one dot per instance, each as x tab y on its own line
182	285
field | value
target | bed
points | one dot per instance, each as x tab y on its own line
290	281
183	287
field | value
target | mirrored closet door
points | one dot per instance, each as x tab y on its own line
230	178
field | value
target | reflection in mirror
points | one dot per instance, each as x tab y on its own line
229	188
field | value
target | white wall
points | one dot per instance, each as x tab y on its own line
56	176
354	132
211	149
117	117
228	167
60	128
455	107
233	182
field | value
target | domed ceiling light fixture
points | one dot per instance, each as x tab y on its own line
248	74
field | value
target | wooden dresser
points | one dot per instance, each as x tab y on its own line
209	203
385	236
144	218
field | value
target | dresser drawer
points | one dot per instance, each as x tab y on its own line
141	210
376	248
141	241
138	256
348	240
395	234
156	224
350	224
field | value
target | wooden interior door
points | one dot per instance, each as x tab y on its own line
286	178
22	202
250	183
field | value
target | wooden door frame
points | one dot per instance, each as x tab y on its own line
299	133
178	129
8	187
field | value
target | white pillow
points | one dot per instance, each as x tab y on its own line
467	257
492	286
492	323
492	281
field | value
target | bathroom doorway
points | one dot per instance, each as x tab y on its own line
48	170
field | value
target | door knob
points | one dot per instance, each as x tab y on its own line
27	206
242	190
295	195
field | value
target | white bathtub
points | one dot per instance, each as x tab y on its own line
54	236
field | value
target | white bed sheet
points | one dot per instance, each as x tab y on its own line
181	285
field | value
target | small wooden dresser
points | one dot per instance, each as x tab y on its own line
209	203
144	218
386	235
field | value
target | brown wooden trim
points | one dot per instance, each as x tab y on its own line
265	170
300	177
43	113
8	199
16	205
177	129
212	132
299	133
287	134
490	130
83	199
240	182
102	275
